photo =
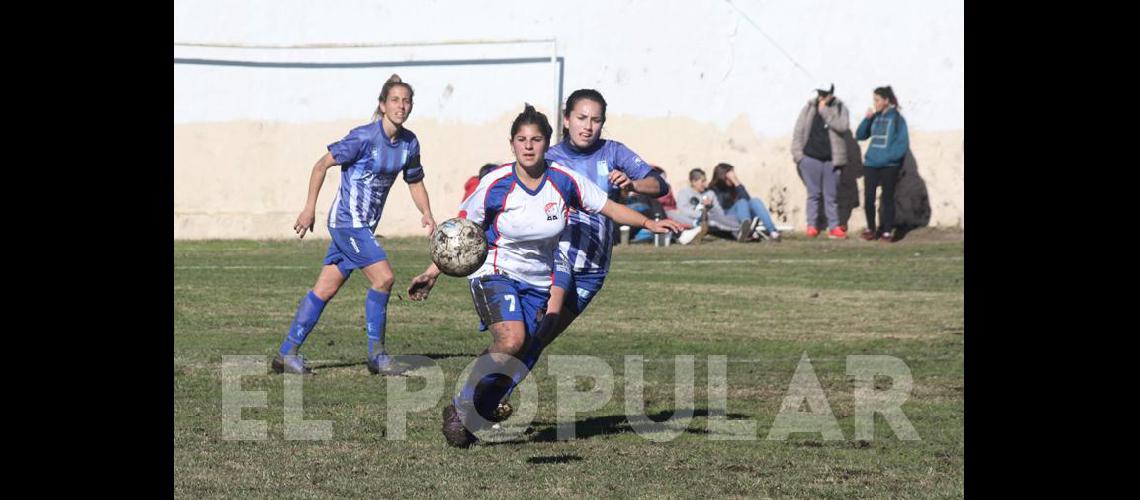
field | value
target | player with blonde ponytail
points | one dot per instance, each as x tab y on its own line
370	158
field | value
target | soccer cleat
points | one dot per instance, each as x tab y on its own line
502	412
868	235
837	234
293	364
812	232
887	237
453	430
381	362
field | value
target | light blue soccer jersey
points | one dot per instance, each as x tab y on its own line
588	239
369	163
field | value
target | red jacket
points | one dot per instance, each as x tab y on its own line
469	186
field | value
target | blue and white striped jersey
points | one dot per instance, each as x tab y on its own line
369	163
588	240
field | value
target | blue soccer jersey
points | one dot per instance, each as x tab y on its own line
588	239
369	162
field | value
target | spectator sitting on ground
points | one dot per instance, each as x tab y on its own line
734	199
696	203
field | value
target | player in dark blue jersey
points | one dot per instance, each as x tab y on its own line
370	157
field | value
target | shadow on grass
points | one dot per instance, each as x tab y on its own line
607	425
402	362
557	459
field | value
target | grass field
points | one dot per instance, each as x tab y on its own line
762	305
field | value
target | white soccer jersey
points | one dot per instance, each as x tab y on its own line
523	226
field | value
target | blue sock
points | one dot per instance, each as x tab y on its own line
375	316
485	392
529	358
308	312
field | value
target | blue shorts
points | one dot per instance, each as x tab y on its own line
499	298
585	287
353	248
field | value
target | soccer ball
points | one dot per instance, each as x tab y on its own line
458	247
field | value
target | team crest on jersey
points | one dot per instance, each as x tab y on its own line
551	211
375	153
603	168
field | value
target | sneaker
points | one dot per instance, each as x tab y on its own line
292	363
757	227
837	234
812	232
453	430
887	237
868	235
745	232
687	236
774	236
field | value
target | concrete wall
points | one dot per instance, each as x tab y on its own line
689	84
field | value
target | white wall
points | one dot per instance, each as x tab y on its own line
697	62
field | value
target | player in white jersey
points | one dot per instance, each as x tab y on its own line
522	207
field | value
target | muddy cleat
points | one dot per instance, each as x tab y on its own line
380	363
292	363
453	430
502	412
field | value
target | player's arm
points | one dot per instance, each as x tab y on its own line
653	185
557	295
622	214
562	276
421	285
471	209
420	198
589	197
632	172
414	177
308	215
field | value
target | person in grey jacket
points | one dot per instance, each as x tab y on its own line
820	152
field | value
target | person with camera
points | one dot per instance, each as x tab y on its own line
820	152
